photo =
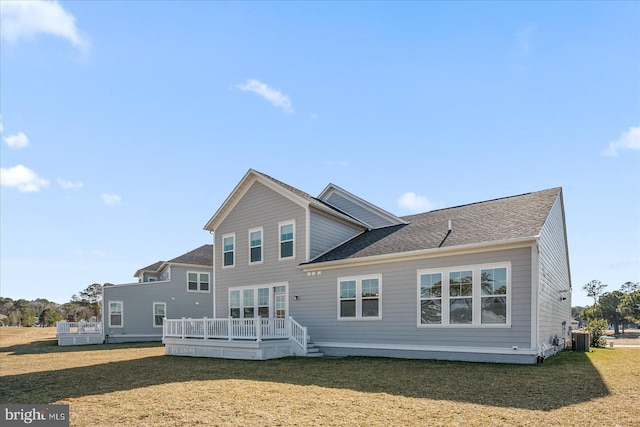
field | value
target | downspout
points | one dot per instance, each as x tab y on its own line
535	284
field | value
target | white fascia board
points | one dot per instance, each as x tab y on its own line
227	204
425	253
202	267
240	190
123	285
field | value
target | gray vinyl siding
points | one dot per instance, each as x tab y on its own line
357	211
327	233
138	299
554	280
317	306
259	207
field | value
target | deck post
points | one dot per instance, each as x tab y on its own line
80	327
229	328
258	323
183	328
205	327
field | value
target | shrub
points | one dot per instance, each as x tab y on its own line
596	328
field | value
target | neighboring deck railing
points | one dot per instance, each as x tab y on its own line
79	328
257	329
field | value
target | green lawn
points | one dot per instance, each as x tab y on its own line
118	384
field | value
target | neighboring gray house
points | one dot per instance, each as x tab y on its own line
487	281
177	288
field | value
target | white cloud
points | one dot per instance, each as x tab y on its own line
629	140
22	178
70	185
26	19
18	140
415	203
110	199
275	97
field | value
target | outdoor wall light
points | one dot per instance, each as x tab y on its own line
296	297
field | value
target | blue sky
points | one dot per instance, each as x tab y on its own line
125	125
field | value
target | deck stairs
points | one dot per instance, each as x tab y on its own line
313	351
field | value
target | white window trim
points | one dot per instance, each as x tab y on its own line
253	230
255	304
358	280
280	225
121	325
232	235
199	283
153	310
476	296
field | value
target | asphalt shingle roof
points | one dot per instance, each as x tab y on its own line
507	218
200	256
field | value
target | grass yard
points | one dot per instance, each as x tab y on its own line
137	385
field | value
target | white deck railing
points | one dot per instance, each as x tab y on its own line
257	329
65	327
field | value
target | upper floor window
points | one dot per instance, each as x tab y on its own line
287	239
255	245
115	314
475	295
228	250
197	282
359	297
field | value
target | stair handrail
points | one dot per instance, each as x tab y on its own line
298	334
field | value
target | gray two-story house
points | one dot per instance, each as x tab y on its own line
487	281
180	287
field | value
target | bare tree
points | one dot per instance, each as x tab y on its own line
594	288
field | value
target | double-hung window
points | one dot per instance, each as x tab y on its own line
287	232
228	250
159	312
197	282
470	295
255	245
115	314
359	297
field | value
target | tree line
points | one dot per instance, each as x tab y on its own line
84	306
616	308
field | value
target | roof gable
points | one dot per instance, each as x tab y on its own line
366	212
297	196
202	256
